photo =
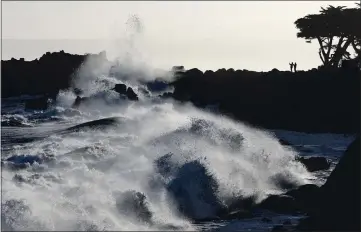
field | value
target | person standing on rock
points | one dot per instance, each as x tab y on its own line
291	66
295	67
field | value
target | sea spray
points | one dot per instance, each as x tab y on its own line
167	163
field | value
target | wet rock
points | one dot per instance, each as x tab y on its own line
315	163
120	88
280	204
133	204
193	190
37	104
131	94
77	91
284	142
77	102
127	91
21	159
305	196
284	180
338	202
304	192
278	228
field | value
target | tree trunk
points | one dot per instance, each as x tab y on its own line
326	58
329	46
340	51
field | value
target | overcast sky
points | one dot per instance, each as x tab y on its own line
251	35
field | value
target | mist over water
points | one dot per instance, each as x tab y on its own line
148	165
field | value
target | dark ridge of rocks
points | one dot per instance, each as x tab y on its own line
318	100
47	75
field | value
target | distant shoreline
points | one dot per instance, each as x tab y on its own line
318	100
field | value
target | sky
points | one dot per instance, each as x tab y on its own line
253	35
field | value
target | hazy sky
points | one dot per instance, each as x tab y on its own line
251	35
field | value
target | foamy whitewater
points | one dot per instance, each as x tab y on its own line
146	165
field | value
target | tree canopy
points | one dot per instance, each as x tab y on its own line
336	29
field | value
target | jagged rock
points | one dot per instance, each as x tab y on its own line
77	91
338	202
123	90
305	196
254	96
133	204
37	104
314	163
280	204
120	88
49	74
79	100
131	94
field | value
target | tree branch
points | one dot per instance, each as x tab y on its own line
326	58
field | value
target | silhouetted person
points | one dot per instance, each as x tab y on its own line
295	67
291	66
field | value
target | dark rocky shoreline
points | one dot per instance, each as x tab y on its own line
318	100
314	101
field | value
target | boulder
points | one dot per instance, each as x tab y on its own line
305	196
314	164
79	100
127	91
131	94
120	88
77	91
134	205
338	201
280	204
37	103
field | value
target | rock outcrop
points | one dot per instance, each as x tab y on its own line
41	103
47	75
307	101
314	164
126	91
337	204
